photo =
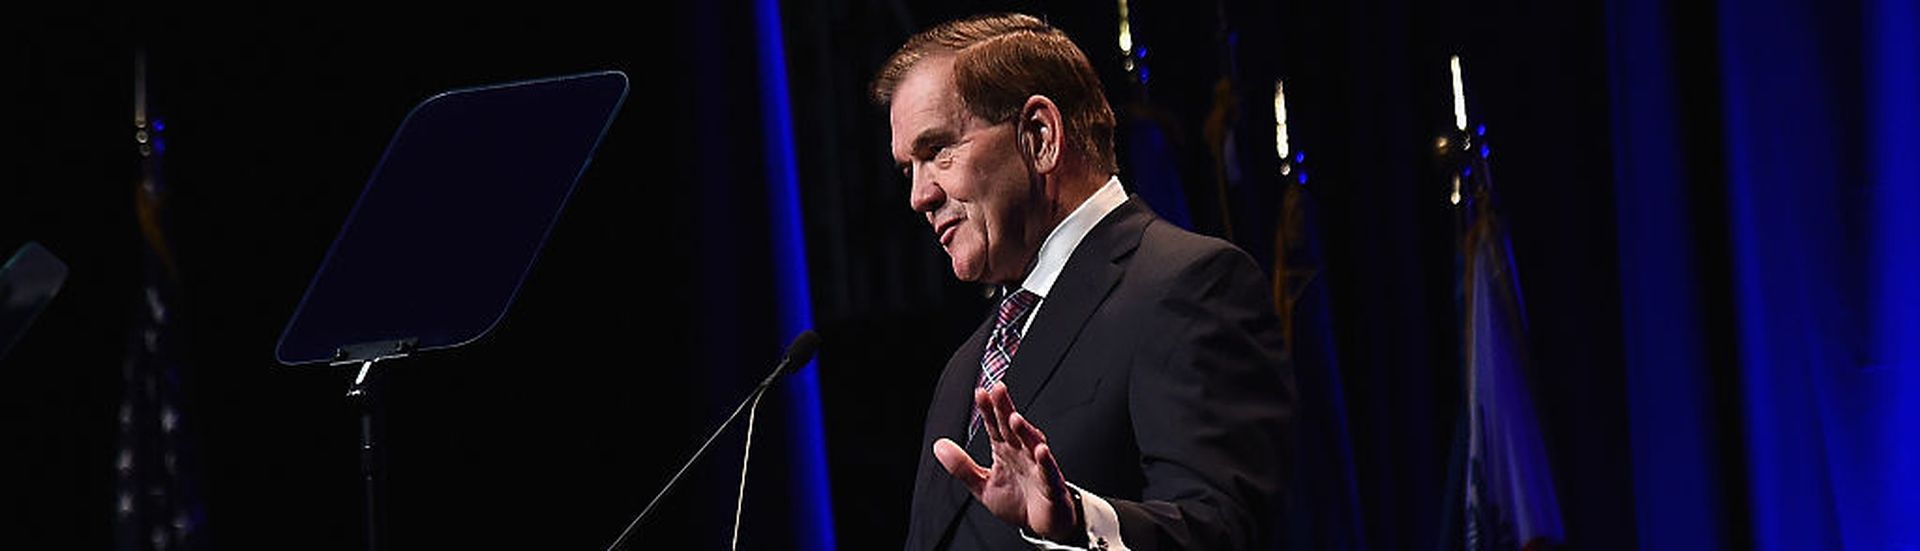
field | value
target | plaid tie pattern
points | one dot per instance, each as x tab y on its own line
1002	344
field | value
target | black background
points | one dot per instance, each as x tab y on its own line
650	311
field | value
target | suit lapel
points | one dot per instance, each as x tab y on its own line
1092	271
939	499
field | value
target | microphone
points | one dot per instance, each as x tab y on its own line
798	353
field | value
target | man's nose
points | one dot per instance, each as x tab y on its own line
926	195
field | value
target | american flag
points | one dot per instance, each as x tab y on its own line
158	504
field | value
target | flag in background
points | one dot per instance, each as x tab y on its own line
1510	502
1222	132
1326	509
1148	133
157	501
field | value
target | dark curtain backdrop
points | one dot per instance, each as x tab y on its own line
1766	156
650	313
1706	205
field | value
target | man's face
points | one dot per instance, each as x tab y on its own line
967	175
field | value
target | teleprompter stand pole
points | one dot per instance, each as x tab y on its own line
361	394
364	394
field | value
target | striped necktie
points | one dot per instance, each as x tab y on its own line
1002	344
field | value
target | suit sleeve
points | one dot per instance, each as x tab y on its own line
1211	404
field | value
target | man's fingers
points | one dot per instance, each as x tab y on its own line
960	465
1056	484
982	400
1025	432
1002	409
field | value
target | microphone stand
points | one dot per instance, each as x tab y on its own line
798	354
746	452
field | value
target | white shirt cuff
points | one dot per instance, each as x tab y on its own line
1103	527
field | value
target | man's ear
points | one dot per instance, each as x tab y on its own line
1040	136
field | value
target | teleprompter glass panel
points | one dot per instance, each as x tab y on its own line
452	218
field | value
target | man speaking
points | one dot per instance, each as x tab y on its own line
1130	390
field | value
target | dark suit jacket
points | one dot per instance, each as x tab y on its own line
1155	368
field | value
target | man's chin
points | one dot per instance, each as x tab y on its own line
967	276
965	271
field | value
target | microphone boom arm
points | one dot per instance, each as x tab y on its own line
798	354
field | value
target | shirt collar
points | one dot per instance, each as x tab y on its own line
1066	237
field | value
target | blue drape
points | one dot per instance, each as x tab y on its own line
1819	110
1817	134
812	506
1678	497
